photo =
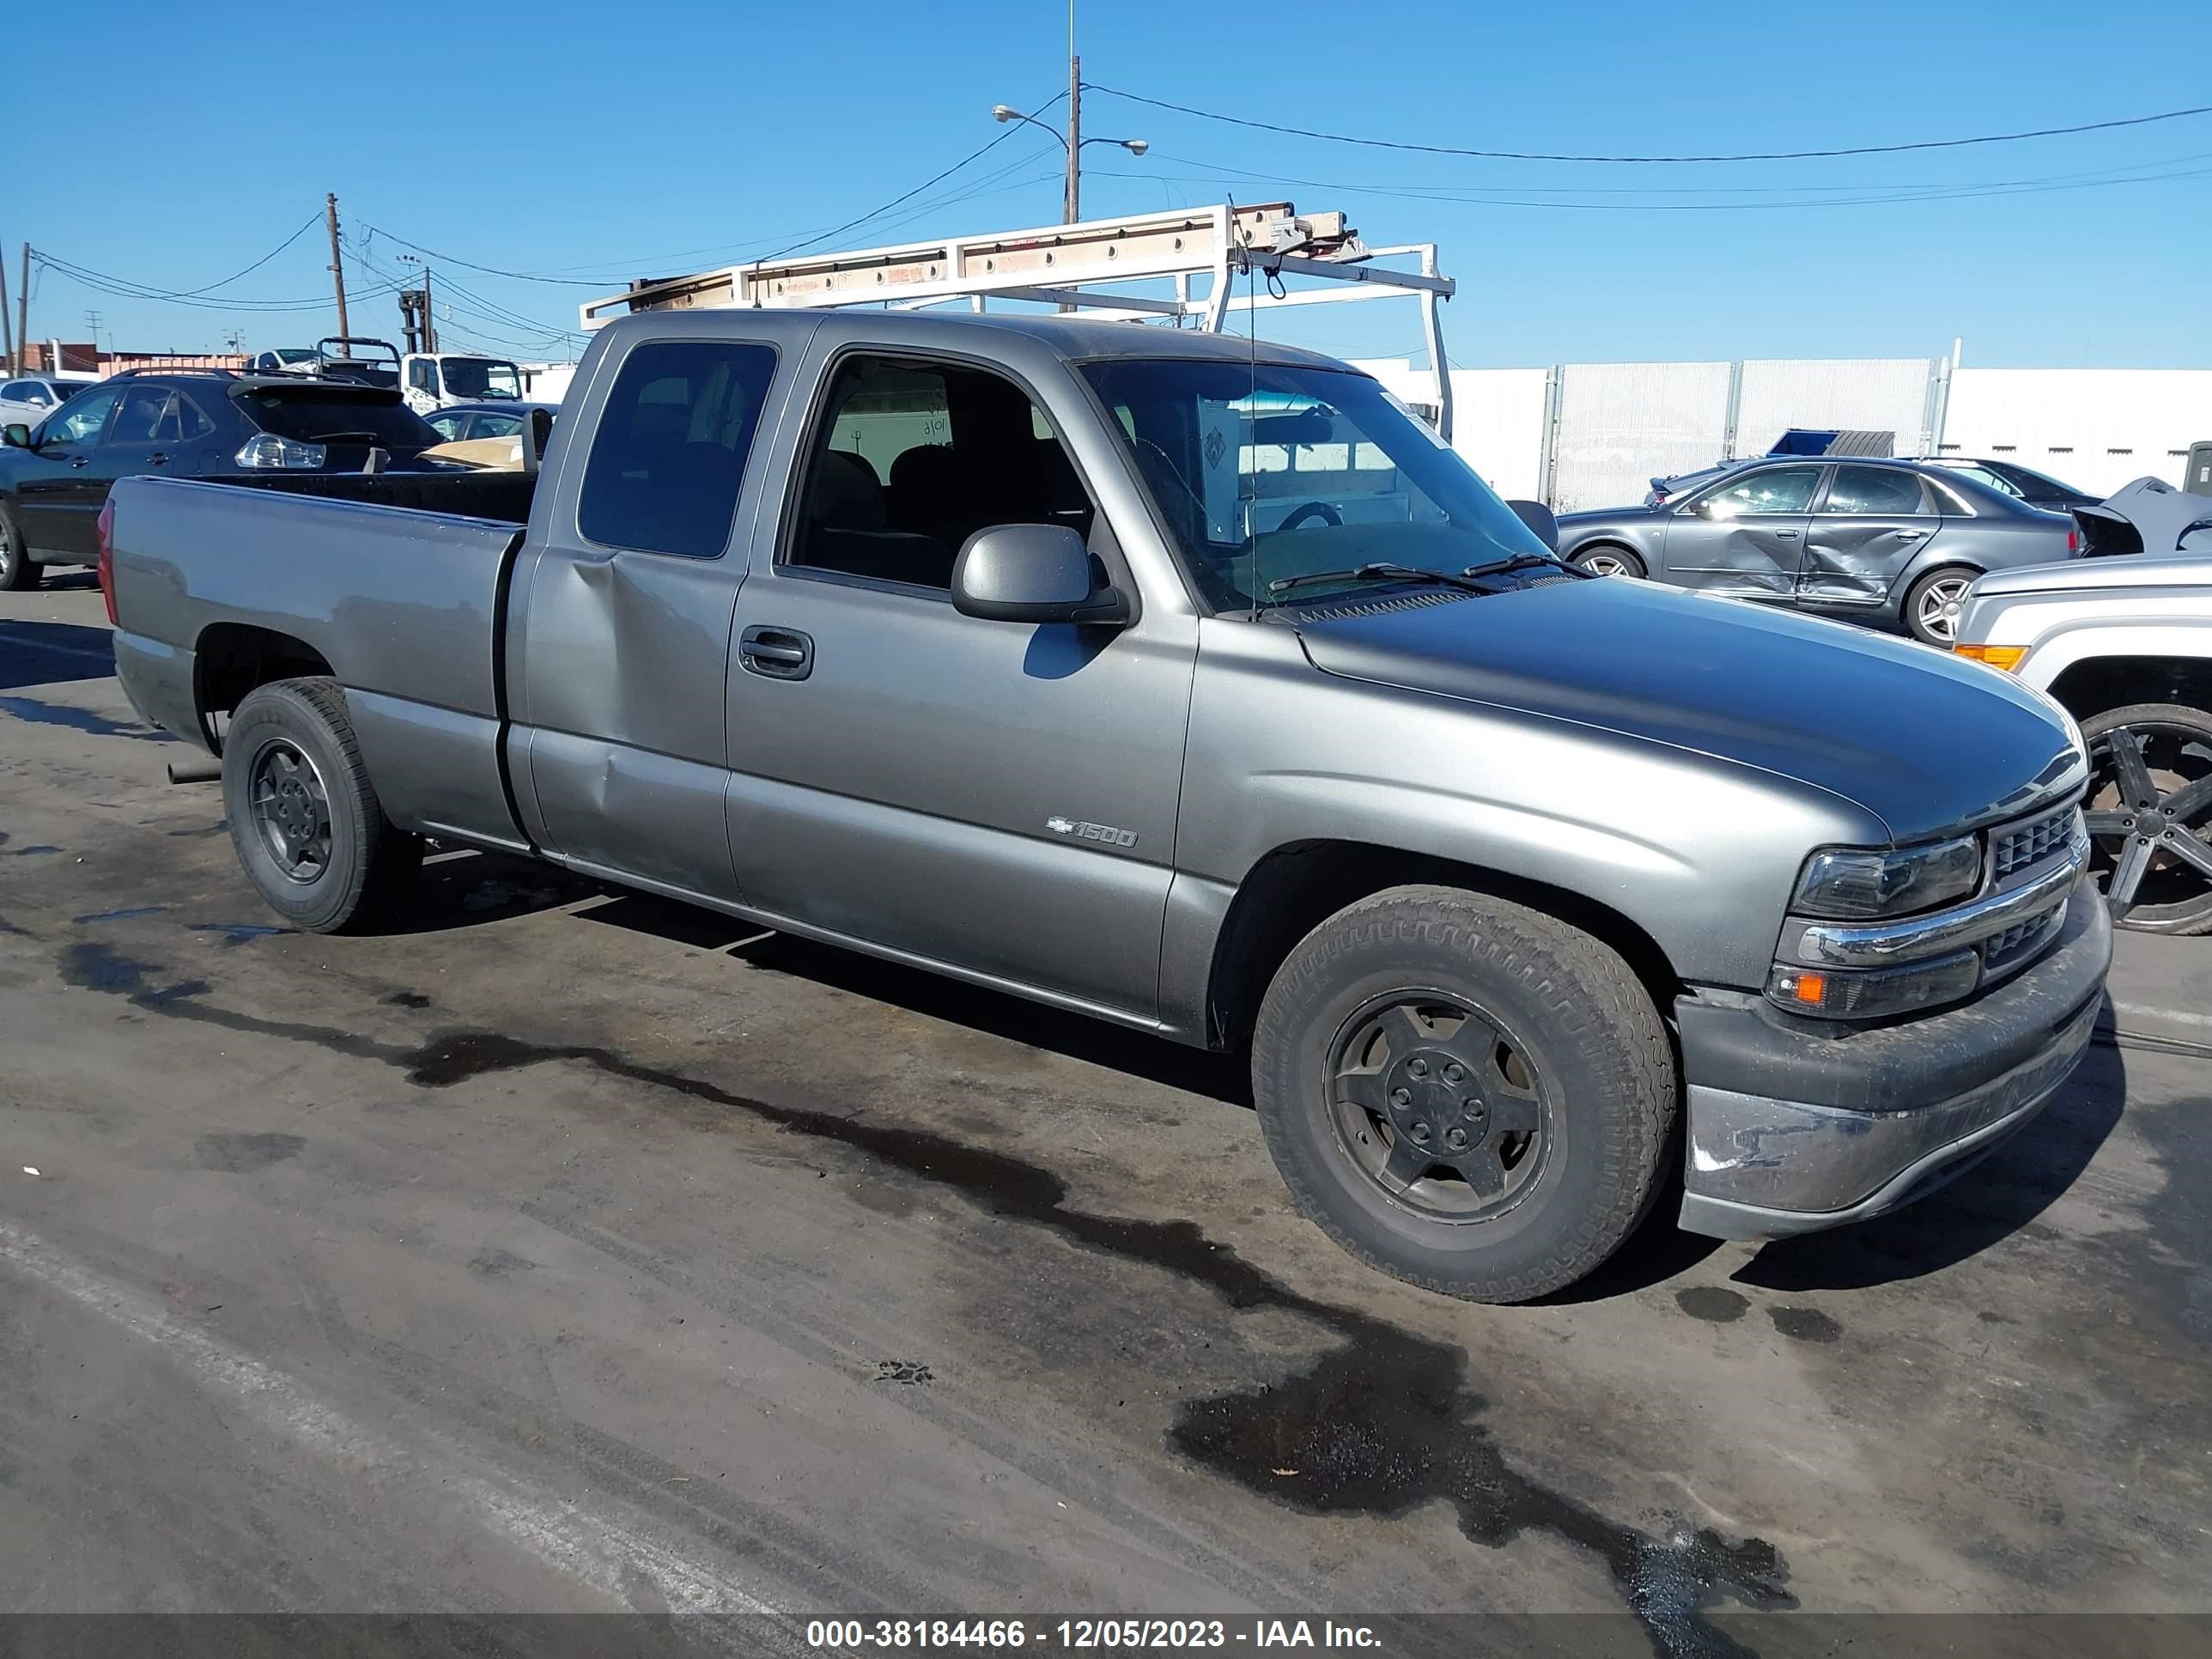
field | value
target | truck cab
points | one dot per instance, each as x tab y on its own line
432	379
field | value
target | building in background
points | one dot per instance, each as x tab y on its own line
1580	435
74	360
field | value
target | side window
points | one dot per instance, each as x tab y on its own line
422	375
1770	491
448	424
79	422
184	423
913	458
134	423
497	426
671	445
1879	490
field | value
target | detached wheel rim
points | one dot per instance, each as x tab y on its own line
291	811
1439	1106
1604	564
2150	813
1940	604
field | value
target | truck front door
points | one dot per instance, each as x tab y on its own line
624	603
997	798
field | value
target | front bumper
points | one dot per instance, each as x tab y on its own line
1792	1129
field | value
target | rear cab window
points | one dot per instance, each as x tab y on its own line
671	447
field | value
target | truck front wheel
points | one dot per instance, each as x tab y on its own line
1464	1093
305	818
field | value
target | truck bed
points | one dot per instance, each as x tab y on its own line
400	603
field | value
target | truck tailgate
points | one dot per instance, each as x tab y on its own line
403	605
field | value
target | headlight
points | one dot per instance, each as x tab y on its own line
1832	994
267	449
1855	883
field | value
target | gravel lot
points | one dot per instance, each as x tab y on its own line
572	1251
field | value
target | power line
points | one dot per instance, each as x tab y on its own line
306	225
877	213
1458	198
1539	155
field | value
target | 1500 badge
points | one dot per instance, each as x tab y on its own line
1104	833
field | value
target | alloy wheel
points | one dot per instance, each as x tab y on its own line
1604	564
1440	1106
2149	816
1940	603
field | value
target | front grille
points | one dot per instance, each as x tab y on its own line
2015	848
2019	940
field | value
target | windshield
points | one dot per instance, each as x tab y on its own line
311	414
1264	473
481	377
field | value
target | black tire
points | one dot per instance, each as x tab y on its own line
1594	1056
291	741
18	570
1941	632
2151	867
1609	559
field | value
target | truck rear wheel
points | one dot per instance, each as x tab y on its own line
305	818
1464	1093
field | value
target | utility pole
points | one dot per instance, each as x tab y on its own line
7	327
1071	209
430	317
337	266
23	309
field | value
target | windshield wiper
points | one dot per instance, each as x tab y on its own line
1377	573
1521	562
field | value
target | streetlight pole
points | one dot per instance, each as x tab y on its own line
1073	141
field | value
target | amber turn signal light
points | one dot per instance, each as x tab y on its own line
2006	657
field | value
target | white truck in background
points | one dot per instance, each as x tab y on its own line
2125	646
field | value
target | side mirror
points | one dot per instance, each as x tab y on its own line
1540	519
16	436
1032	573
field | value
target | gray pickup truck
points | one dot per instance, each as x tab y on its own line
1196	686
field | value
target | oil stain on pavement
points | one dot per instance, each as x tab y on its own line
1381	1425
1712	1303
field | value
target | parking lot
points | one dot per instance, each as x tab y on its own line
572	1250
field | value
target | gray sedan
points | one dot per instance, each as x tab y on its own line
1891	543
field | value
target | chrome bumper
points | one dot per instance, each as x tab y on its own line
1760	1164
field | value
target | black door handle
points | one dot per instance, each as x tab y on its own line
781	654
157	459
82	460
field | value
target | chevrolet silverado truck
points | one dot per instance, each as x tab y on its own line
1195	685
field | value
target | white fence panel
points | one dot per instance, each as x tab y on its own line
1621	425
1866	394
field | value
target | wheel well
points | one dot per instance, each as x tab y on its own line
233	659
1615	544
1294	889
2100	682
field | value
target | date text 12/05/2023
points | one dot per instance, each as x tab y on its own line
1086	1633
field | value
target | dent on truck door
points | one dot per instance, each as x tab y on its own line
625	639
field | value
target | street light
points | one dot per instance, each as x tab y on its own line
1071	205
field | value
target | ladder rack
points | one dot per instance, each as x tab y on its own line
1073	265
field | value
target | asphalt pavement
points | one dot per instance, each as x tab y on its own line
572	1251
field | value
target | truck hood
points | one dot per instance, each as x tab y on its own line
1922	740
2178	570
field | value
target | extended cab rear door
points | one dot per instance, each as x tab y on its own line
623	611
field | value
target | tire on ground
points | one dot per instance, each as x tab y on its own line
2186	916
1601	1053
1914	594
372	866
1631	562
18	570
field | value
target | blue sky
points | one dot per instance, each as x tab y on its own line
556	138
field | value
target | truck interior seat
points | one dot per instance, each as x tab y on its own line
846	520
